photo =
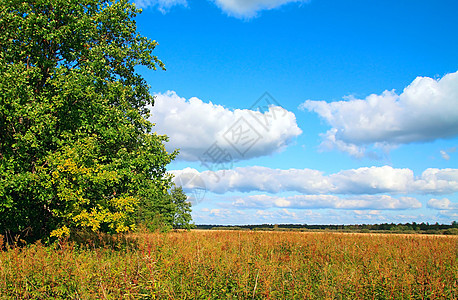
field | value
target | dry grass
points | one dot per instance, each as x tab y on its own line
236	265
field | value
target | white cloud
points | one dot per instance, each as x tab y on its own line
365	202
277	215
442	204
445	155
373	180
249	8
237	8
425	111
258	178
369	215
220	213
162	5
449	214
203	130
283	215
256	216
437	181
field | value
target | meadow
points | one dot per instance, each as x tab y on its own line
202	264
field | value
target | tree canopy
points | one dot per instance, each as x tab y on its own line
76	149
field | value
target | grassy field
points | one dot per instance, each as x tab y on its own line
236	265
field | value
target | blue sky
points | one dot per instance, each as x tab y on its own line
359	123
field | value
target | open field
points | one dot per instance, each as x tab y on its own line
236	265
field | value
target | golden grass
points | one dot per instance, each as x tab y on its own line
237	265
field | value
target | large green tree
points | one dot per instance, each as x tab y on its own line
76	149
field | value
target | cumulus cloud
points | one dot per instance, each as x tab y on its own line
371	181
237	8
365	202
258	178
442	204
437	181
369	215
249	8
220	213
425	111
278	215
214	134
445	153
448	214
262	216
283	215
162	5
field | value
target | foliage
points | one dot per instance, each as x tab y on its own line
75	146
182	209
174	213
236	265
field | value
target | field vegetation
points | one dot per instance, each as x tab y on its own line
201	264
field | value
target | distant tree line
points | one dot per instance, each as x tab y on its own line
423	228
